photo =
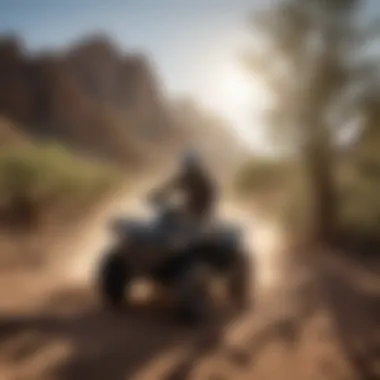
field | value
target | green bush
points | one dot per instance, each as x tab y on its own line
49	175
279	186
356	180
358	190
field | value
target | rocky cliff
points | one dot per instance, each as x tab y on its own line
96	99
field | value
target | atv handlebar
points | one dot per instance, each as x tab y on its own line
155	198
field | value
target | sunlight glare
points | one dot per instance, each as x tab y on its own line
241	98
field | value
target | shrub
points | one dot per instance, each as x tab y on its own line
48	175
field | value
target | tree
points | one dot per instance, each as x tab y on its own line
310	55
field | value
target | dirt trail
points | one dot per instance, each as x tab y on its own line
52	328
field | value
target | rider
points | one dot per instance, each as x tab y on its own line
195	183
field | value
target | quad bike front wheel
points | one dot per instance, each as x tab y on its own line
241	282
192	295
112	279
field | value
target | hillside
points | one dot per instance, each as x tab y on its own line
94	98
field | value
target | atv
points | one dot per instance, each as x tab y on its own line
181	262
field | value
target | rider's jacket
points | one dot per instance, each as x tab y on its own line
199	191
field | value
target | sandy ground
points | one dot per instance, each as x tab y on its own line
313	318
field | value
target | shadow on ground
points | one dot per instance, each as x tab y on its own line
70	338
105	345
102	344
352	291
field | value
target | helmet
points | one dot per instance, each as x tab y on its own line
191	159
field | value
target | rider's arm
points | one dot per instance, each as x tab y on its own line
171	184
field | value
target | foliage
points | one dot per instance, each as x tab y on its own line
310	55
48	175
356	180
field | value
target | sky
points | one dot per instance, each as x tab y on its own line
185	37
194	44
